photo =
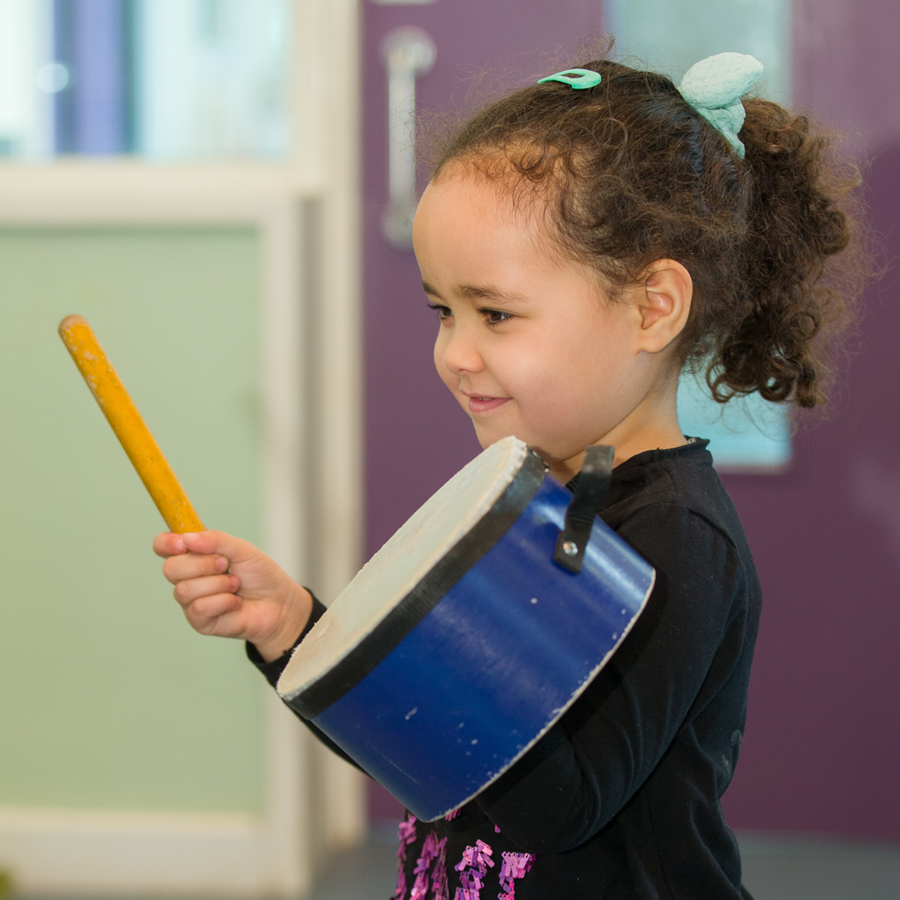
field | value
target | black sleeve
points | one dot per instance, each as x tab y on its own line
587	767
272	672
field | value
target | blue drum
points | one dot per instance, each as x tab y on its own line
468	635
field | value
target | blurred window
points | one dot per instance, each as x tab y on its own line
670	36
172	80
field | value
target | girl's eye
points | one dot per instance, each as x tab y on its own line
495	316
443	312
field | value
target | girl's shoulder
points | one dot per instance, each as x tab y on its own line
680	475
672	508
664	487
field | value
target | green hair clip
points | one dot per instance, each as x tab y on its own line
579	79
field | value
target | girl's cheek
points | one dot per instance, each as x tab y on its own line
438	357
451	381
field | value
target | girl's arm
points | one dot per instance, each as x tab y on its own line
675	689
271	670
229	588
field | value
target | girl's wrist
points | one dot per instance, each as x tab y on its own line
297	612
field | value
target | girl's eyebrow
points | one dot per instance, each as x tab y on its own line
488	292
475	292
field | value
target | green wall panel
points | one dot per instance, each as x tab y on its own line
108	699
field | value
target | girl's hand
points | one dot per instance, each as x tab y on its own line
229	588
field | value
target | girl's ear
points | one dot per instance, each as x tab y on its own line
664	303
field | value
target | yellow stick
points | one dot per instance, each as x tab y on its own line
126	422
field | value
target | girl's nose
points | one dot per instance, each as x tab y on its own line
459	353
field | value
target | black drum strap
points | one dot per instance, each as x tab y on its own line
590	489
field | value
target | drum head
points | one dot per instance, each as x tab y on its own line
403	562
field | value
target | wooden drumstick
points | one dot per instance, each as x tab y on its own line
130	429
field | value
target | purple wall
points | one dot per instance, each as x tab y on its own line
823	740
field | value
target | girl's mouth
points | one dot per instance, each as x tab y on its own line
485	404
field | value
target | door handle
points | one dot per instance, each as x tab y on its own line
407	52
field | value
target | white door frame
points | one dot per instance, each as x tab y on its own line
312	468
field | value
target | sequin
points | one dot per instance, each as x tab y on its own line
440	890
432	850
406	835
513	867
452	815
472	868
400	892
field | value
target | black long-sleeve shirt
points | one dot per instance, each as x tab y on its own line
620	799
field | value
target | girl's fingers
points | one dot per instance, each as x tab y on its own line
216	542
168	544
190	565
203	543
214	574
210	615
192	590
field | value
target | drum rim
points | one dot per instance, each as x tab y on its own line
393	629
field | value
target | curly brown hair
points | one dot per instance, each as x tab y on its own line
633	174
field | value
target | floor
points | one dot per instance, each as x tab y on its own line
774	869
799	869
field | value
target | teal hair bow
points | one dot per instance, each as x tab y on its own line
714	87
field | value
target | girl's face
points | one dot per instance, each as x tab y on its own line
527	342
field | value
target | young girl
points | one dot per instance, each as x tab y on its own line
581	242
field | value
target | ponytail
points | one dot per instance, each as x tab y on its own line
797	222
